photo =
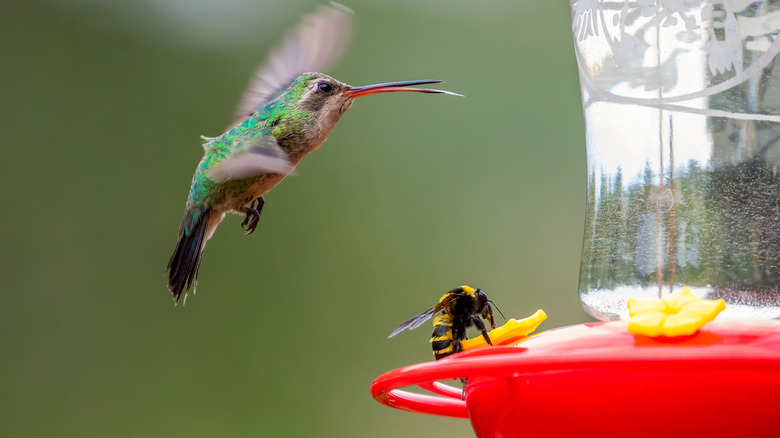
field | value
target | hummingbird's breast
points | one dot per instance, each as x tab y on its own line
238	193
316	134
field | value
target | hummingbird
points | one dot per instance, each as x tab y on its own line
287	111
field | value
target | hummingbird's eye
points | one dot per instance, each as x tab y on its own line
324	87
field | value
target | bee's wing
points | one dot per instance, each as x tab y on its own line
416	321
263	155
446	300
314	45
413	322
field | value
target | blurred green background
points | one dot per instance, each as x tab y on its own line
102	106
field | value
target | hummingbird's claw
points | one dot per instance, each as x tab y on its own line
250	223
252	212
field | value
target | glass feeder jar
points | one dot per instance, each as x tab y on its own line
681	100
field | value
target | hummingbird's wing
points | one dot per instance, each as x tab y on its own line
263	155
314	45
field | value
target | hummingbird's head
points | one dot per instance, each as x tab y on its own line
323	97
326	99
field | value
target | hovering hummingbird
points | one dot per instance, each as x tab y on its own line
288	110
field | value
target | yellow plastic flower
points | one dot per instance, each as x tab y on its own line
679	314
510	333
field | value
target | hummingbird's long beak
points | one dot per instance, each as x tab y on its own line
389	87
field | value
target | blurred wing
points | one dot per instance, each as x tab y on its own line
413	322
262	156
314	45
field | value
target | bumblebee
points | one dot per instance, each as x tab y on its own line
460	308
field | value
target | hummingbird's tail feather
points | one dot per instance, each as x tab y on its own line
185	261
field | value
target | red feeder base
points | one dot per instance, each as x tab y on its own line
599	380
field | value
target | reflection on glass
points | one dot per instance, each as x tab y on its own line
682	119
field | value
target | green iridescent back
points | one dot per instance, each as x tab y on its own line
282	118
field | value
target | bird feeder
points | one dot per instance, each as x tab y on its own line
682	128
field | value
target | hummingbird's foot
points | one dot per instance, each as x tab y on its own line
251	220
252	212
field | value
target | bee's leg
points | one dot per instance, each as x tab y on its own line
457	348
252	211
481	326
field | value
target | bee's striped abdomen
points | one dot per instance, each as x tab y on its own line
441	338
